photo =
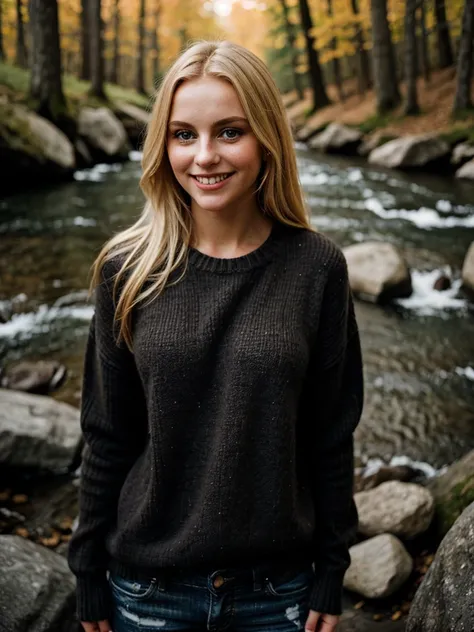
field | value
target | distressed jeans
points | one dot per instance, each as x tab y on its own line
229	600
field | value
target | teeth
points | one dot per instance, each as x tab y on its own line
211	180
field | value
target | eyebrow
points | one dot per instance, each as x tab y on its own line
226	121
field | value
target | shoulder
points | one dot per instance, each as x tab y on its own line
311	248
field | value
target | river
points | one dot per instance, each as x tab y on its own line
418	353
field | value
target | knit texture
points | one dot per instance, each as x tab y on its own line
226	438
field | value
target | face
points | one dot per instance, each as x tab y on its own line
213	152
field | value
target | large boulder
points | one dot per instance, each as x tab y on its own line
462	153
445	600
468	269
403	509
337	138
37	589
453	491
31	148
38	432
310	129
411	152
104	134
41	378
134	120
377	271
379	566
466	172
369	143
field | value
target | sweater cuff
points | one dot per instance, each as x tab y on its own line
94	599
326	593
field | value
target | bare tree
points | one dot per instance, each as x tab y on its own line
140	80
411	65
336	67
46	89
462	100
425	56
85	41
2	49
320	97
96	50
385	76
363	64
114	74
445	50
155	42
291	43
21	52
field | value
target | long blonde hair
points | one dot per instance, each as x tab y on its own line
157	243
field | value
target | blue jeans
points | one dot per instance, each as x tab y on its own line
226	600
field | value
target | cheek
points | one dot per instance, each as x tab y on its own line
179	158
246	156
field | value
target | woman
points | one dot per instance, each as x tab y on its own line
223	379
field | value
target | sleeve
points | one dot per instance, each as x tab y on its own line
332	401
114	426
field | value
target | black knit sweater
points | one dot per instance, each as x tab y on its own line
226	438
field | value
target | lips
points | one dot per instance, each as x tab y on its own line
212	179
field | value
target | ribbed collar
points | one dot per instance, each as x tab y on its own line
256	258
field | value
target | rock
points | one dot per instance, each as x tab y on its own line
462	153
466	172
32	148
386	473
377	271
104	134
337	138
41	377
452	491
309	130
445	600
379	566
442	283
83	155
468	269
37	589
403	509
80	297
134	120
369	143
357	621
37	431
410	152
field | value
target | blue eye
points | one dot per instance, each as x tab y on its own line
238	133
179	137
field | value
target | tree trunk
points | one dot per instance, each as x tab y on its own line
114	74
46	85
411	101
96	50
155	42
320	97
85	41
291	42
384	70
336	67
445	50
462	100
2	49
364	79
425	55
140	83
21	54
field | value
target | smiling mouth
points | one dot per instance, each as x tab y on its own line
213	179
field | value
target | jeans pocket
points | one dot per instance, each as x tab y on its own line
132	589
295	586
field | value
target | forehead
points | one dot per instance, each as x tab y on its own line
205	98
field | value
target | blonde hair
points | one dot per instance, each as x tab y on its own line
157	244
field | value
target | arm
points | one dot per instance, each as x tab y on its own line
331	407
113	421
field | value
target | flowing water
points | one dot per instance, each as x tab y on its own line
419	353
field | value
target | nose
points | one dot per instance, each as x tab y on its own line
206	153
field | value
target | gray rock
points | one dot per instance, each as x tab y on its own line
134	120
385	473
461	153
466	172
336	138
369	143
377	271
40	377
37	431
309	130
379	567
403	509
468	269
37	589
445	600
103	132
410	152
